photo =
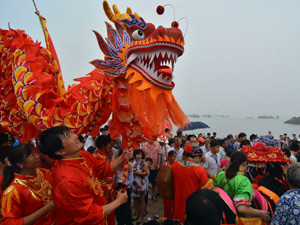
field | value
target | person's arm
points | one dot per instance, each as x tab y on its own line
32	218
249	211
120	199
158	160
118	163
143	173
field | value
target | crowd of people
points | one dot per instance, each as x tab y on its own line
60	179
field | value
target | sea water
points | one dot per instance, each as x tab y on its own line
234	125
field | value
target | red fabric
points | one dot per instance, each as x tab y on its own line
187	179
108	187
224	162
18	201
78	194
168	205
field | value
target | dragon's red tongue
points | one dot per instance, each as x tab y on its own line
165	70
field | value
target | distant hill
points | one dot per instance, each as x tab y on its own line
293	120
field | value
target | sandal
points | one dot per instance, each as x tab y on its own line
154	199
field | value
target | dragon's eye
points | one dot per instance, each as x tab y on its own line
138	35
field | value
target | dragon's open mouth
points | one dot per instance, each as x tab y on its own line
156	65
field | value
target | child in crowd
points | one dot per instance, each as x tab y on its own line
140	173
149	162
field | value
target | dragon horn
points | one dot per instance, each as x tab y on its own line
129	11
115	16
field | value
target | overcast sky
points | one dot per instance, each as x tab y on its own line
242	57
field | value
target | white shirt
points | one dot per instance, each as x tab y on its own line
89	142
179	154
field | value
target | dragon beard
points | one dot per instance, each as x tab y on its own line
155	107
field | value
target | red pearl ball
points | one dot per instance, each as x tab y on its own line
160	10
175	24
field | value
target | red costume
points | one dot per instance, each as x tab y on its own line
25	195
188	177
77	192
108	187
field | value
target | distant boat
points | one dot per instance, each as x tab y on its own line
193	115
208	116
267	117
293	120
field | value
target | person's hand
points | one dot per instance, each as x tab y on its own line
50	206
122	197
265	215
157	167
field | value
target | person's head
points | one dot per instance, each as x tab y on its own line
238	161
294	135
204	207
103	143
102	130
294	147
242	136
293	175
253	137
201	141
197	154
172	156
177	141
60	143
229	152
138	154
22	159
214	134
224	143
167	130
208	135
4	150
106	128
193	140
215	146
149	161
287	152
179	134
230	138
207	142
245	142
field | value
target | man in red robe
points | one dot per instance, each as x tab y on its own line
189	176
105	153
77	192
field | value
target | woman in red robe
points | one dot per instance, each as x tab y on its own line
189	176
27	196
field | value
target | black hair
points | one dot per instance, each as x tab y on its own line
222	141
3	138
214	143
4	149
167	129
101	129
236	159
172	152
103	140
229	136
245	142
204	207
81	139
241	135
171	141
16	155
287	152
229	152
179	133
294	147
252	136
138	151
214	133
50	141
149	159
106	128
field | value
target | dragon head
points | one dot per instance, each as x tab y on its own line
150	51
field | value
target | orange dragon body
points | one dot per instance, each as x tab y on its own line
133	84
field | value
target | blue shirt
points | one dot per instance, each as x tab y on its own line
288	209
